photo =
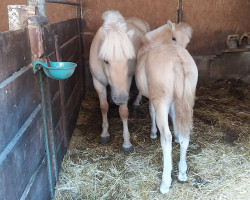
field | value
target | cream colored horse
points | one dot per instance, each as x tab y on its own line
167	74
112	62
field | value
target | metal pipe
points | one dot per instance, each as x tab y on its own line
180	11
45	127
51	129
41	7
81	49
42	17
63	2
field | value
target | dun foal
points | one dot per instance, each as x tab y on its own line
167	74
112	62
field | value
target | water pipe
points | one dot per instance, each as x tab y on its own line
45	127
51	128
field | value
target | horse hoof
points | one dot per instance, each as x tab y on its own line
104	140
127	149
153	135
176	140
179	181
182	178
164	189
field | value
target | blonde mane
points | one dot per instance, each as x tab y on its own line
116	42
184	27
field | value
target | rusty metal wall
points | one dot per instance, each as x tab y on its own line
211	20
156	13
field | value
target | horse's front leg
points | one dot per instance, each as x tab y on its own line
123	111
102	94
137	100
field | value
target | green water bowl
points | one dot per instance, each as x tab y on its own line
57	70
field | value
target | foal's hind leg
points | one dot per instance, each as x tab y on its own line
153	134
123	111
172	115
166	143
183	139
184	142
102	94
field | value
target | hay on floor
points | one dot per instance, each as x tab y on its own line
218	156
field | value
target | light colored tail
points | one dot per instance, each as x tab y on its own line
184	95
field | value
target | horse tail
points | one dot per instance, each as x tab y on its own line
184	96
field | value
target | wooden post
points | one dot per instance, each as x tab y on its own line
62	95
180	11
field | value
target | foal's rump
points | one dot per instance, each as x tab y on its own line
172	76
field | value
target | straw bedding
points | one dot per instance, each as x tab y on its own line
218	156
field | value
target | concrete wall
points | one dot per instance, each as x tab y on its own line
213	20
4	26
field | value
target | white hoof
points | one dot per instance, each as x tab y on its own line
164	189
176	139
127	147
182	177
153	135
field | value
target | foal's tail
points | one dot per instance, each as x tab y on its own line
184	95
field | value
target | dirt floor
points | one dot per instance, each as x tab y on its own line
218	156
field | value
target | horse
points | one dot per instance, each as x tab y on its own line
112	62
167	74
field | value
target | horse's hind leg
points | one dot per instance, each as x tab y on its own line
183	139
137	100
172	115
166	143
102	94
123	111
153	134
184	142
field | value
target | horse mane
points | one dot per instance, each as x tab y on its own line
159	36
115	38
184	27
152	35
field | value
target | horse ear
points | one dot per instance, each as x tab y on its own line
172	25
130	33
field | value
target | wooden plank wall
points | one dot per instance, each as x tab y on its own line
68	40
22	151
23	164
